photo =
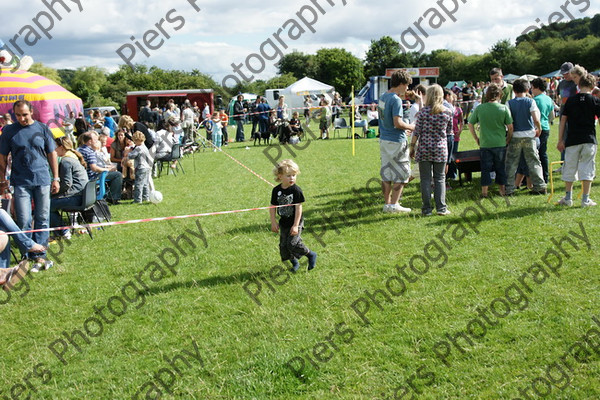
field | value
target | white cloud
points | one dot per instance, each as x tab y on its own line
226	31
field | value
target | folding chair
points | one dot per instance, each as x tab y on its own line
87	203
175	156
102	191
340	123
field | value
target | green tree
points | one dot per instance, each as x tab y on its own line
46	72
339	68
86	83
298	64
504	55
449	63
66	76
383	53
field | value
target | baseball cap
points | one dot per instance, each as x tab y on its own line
566	67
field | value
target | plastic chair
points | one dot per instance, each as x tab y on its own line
102	190
102	186
340	123
87	203
175	156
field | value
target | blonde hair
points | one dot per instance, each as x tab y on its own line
435	99
284	167
125	122
579	71
138	136
66	144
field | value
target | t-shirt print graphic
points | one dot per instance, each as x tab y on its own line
283	200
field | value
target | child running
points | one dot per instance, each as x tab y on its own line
291	220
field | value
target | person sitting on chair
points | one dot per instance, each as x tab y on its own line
73	178
296	126
359	122
26	244
93	170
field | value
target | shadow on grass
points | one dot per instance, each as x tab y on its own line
238	278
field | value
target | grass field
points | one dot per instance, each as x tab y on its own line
119	308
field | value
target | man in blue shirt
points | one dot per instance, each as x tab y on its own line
32	147
395	161
113	178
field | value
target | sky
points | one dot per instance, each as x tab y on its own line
211	35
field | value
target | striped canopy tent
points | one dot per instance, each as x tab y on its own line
51	102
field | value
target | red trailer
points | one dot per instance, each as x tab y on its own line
135	100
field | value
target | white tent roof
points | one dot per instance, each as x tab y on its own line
307	86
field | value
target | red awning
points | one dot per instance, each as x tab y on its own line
168	95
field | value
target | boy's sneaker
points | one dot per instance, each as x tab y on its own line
397	208
386	208
588	203
41	265
565	202
443	213
312	260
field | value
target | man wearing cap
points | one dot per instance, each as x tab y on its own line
566	89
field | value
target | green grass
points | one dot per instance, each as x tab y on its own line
245	347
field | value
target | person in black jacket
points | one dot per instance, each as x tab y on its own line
238	116
127	122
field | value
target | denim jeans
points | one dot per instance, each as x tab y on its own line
452	170
450	146
41	214
115	183
437	170
527	147
492	160
543	150
58	204
239	135
23	241
263	125
141	188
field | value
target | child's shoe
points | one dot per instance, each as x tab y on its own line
397	208
588	203
312	260
565	202
295	265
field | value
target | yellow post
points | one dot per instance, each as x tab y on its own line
352	122
552	164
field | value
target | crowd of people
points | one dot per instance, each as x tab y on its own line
511	126
509	122
41	175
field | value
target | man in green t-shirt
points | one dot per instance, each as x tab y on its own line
497	77
496	126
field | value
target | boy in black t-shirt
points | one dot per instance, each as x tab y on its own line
291	221
580	145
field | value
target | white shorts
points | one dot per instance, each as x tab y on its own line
579	159
395	161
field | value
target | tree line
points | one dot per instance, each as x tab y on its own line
538	52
